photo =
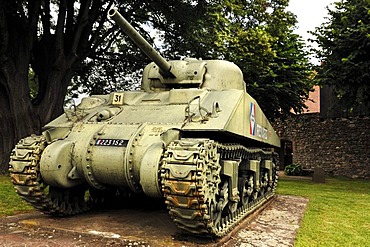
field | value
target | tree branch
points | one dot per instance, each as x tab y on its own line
99	30
59	33
33	12
102	39
4	37
70	23
81	23
46	17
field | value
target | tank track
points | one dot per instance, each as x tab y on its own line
28	183
198	198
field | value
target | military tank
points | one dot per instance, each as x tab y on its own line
192	135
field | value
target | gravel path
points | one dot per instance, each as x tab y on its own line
277	225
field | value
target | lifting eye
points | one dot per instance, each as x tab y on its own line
215	109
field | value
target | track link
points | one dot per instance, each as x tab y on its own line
195	191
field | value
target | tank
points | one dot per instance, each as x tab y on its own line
192	136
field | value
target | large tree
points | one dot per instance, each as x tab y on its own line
344	51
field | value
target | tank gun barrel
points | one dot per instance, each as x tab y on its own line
163	64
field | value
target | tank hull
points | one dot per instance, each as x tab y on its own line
111	152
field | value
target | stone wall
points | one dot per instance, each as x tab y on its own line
340	146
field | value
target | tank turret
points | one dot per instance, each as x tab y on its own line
192	135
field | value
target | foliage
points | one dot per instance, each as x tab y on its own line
117	63
344	50
293	170
258	36
336	214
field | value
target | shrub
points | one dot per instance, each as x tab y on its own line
293	170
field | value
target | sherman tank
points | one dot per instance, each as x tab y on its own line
192	135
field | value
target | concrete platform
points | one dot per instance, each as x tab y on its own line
276	225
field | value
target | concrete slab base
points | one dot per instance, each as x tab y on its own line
275	225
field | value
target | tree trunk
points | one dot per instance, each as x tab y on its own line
19	117
7	137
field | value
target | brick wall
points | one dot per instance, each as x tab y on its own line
340	146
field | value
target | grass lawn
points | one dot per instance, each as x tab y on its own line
338	212
10	202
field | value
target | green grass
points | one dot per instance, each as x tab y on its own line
10	202
338	212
